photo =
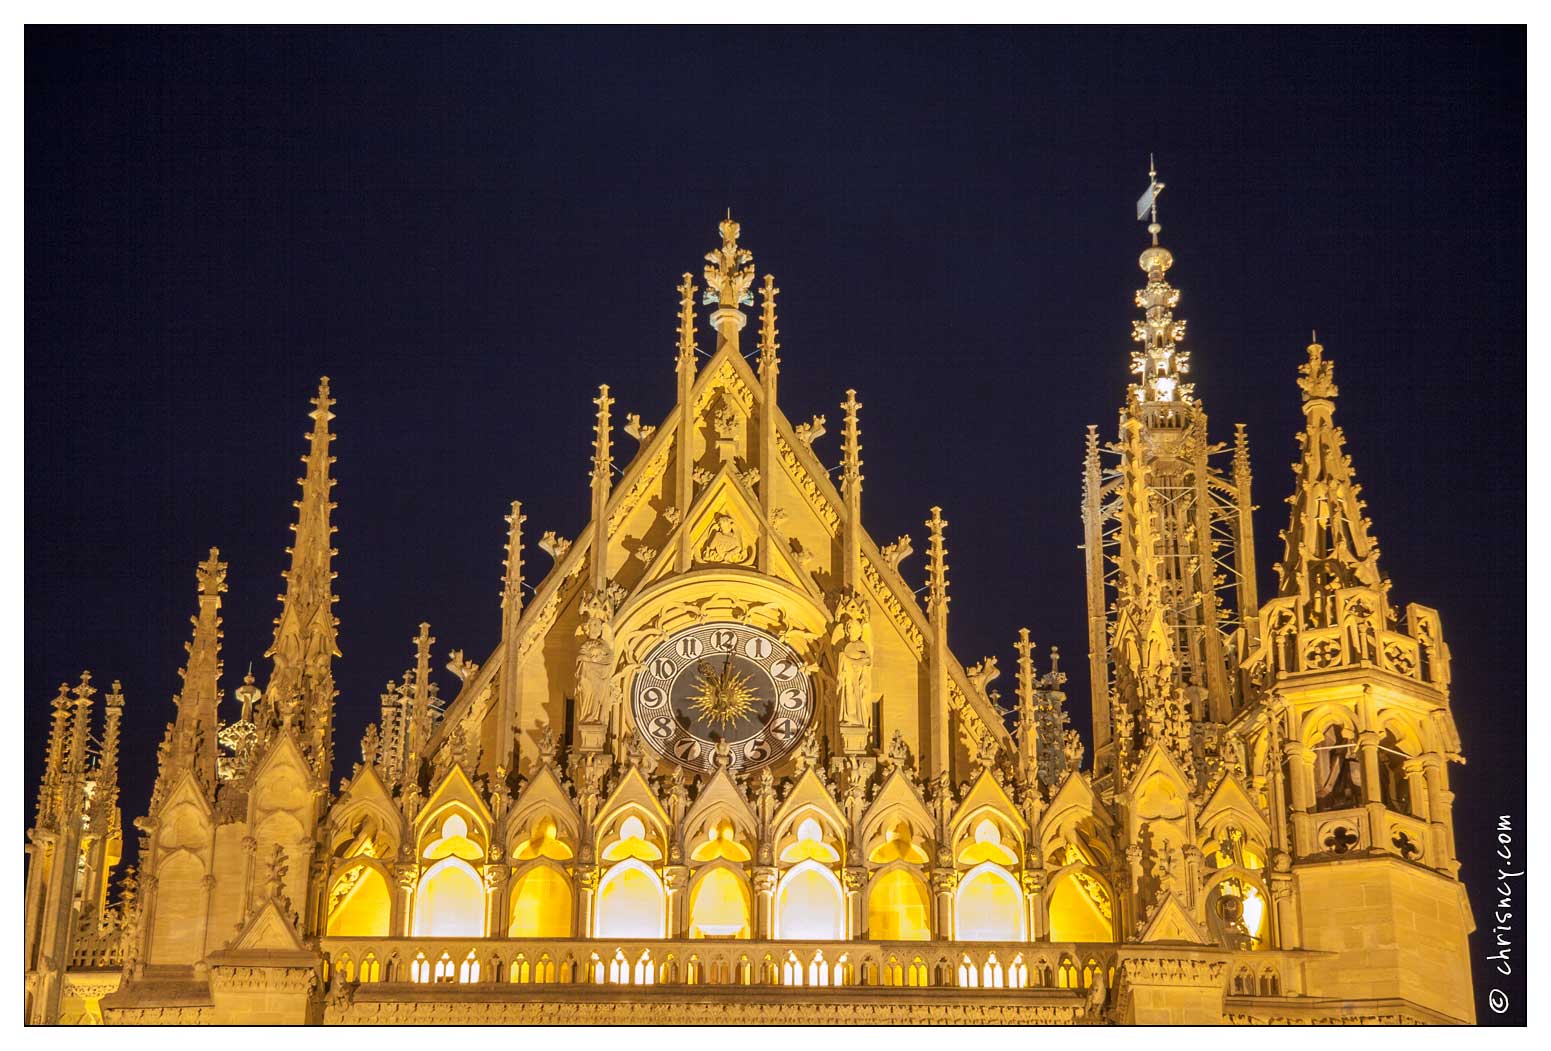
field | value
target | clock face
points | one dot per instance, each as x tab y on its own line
722	682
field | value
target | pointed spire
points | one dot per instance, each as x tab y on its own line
1028	750
511	616
1327	543
1244	533
196	723
1159	364
602	438
729	273
511	591
80	728
420	716
769	363
305	642
851	445
105	792
687	345
936	564
50	791
602	479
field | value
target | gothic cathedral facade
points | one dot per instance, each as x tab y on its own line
723	759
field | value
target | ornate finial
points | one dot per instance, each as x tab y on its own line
936	562
1159	364
687	346
547	747
248	694
1240	451
1317	377
602	449
769	364
851	444
511	593
1025	648
730	271
321	405
371	744
212	574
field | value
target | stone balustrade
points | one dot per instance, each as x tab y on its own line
487	962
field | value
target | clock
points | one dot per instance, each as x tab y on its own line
722	682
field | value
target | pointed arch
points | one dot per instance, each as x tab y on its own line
899	905
450	901
631	902
810	904
988	905
359	904
720	903
542	905
1080	907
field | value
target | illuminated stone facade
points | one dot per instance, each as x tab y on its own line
723	767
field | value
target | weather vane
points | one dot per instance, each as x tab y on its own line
1147	204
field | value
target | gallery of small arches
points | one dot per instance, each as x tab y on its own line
812	878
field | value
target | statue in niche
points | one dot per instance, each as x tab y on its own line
853	661
594	688
1338	774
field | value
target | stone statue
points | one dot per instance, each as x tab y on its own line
594	688
853	662
722	542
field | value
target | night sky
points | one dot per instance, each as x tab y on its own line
468	231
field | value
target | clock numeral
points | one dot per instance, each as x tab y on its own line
653	697
756	752
784	669
663	668
758	648
783	730
690	647
661	727
723	638
791	698
686	749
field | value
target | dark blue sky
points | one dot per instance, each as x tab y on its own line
470	230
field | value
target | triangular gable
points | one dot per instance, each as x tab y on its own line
455	787
1230	798
1156	759
721	795
269	929
543	794
810	791
284	751
186	791
986	791
633	789
1171	923
283	761
1075	795
897	794
727	493
366	793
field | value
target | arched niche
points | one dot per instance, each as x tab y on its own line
899	907
810	905
541	903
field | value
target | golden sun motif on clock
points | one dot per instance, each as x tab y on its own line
722	684
722	695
